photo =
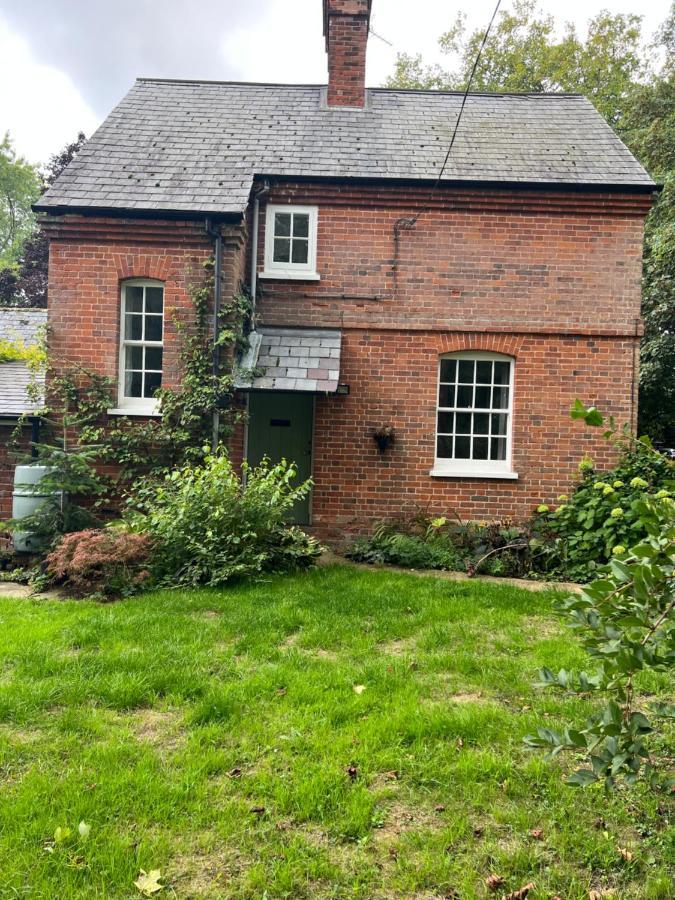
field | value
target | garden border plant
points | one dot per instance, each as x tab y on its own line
626	624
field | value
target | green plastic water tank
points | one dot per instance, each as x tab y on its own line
27	498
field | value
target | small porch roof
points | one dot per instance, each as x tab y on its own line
291	359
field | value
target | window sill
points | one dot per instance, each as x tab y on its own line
134	411
473	473
290	275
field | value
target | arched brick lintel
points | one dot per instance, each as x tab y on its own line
509	344
142	265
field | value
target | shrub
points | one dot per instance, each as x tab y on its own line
410	551
209	527
625	622
603	511
100	561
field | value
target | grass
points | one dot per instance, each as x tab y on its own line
218	736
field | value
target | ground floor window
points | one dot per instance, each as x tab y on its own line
141	345
473	422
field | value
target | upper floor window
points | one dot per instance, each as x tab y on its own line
473	422
141	345
290	242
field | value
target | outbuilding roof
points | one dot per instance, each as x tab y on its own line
195	147
21	325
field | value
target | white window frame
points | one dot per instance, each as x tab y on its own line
476	468
300	271
140	406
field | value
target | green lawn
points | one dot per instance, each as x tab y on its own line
210	734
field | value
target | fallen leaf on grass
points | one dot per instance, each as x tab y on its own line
359	688
625	853
234	773
391	776
84	830
494	881
258	810
537	834
439	807
148	882
521	893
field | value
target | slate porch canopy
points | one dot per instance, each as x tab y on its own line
291	359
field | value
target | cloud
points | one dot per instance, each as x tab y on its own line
39	105
103	46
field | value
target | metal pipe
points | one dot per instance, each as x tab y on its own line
254	242
216	233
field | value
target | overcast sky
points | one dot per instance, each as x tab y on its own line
65	63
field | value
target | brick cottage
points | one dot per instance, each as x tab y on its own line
465	316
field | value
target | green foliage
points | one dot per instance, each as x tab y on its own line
420	541
626	624
19	189
209	528
605	509
105	562
524	53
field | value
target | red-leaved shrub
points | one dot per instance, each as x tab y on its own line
100	561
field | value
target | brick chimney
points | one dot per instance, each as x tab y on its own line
345	27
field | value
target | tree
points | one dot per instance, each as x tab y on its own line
25	283
19	188
618	71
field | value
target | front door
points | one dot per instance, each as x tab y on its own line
280	427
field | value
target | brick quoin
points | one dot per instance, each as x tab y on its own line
550	278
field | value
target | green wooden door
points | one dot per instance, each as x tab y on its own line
280	427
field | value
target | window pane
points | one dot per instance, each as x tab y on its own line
134	299
462	447
282	250
133	328
133	383
300	250
466	368
154	299
498	449
153	358
500	398
301	225
482	397
502	372
446	395
445	422
448	370
444	447
133	358
153	380
484	372
153	328
480	448
464	396
463	423
499	423
481	423
282	224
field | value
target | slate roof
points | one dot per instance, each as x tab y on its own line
292	359
194	147
18	325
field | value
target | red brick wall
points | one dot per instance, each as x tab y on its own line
393	381
551	279
8	461
89	259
